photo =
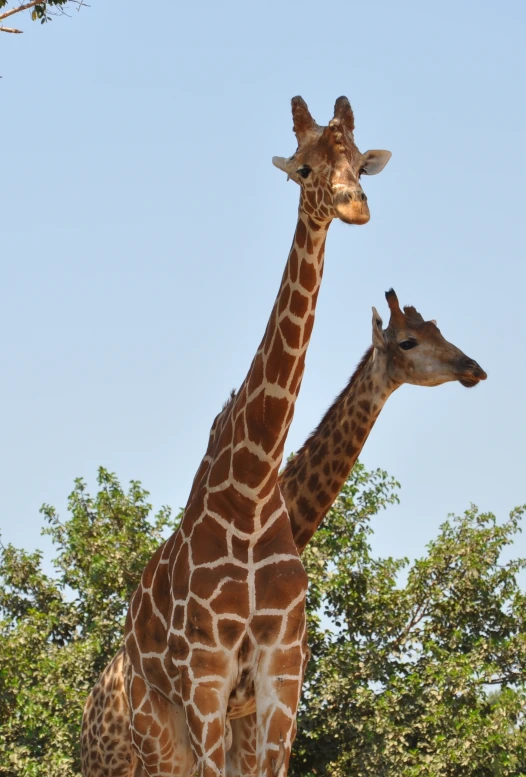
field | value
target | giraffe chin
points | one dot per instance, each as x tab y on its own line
469	382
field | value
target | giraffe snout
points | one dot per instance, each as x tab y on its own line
351	206
472	372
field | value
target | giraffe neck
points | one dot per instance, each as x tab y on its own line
243	467
312	480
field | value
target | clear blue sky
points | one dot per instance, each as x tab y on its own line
145	231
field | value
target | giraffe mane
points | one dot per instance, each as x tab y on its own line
220	418
229	401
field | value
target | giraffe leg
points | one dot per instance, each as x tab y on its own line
277	698
106	748
210	733
241	757
159	733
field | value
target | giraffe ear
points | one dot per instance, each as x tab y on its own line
375	161
283	164
378	332
303	123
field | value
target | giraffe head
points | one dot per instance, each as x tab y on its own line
417	353
328	165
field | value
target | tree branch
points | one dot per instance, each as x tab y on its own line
419	613
17	10
24	7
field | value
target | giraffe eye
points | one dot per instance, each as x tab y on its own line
304	171
406	345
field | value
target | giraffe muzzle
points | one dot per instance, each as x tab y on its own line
472	373
351	206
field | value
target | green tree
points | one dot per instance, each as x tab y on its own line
39	10
402	675
415	669
58	633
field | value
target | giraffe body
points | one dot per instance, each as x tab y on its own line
225	637
312	479
216	628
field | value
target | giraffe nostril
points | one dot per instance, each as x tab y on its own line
356	194
351	206
468	364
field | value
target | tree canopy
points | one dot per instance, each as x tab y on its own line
57	633
400	680
416	668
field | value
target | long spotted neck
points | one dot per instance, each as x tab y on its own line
249	448
312	480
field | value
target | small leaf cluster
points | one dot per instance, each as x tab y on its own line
41	11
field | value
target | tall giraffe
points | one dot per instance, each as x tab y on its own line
408	351
207	637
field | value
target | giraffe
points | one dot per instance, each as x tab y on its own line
410	350
207	637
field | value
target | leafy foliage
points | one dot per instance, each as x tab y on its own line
57	634
415	669
400	674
